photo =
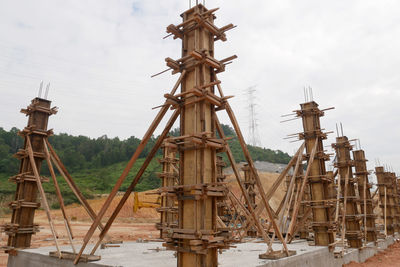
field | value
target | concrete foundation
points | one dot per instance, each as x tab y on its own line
132	254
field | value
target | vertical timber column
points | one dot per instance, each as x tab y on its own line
321	222
25	202
396	207
198	166
362	177
383	183
344	165
397	186
168	210
222	209
249	184
303	230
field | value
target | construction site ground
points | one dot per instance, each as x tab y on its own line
131	226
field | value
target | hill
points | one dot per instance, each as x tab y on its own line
96	163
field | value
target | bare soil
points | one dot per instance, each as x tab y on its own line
128	226
388	258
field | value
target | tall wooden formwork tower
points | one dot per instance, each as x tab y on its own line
25	202
393	179
313	136
387	200
249	183
351	215
366	203
197	237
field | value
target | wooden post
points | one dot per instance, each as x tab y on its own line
367	205
321	223
25	200
197	166
385	195
249	185
396	206
344	164
170	175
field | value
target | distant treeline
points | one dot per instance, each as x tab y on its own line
80	152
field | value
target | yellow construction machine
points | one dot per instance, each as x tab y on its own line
137	204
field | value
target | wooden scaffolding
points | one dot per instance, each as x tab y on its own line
170	177
197	238
366	202
37	149
387	200
313	136
350	216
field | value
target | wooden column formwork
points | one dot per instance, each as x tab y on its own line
344	164
221	205
396	202
303	228
169	176
249	184
398	199
25	201
332	191
386	199
313	136
364	187
224	210
196	238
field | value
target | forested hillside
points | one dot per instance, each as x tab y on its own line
96	163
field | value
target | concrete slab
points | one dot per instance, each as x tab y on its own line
133	254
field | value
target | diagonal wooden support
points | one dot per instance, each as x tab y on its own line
127	169
41	192
346	183
241	185
59	196
139	174
300	196
289	197
256	177
67	177
276	184
251	165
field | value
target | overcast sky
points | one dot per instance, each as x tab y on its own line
99	55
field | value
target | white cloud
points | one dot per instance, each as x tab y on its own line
99	55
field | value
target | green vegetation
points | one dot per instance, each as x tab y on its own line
96	163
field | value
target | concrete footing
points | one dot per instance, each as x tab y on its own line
132	254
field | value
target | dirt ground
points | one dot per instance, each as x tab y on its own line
119	231
128	226
388	258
